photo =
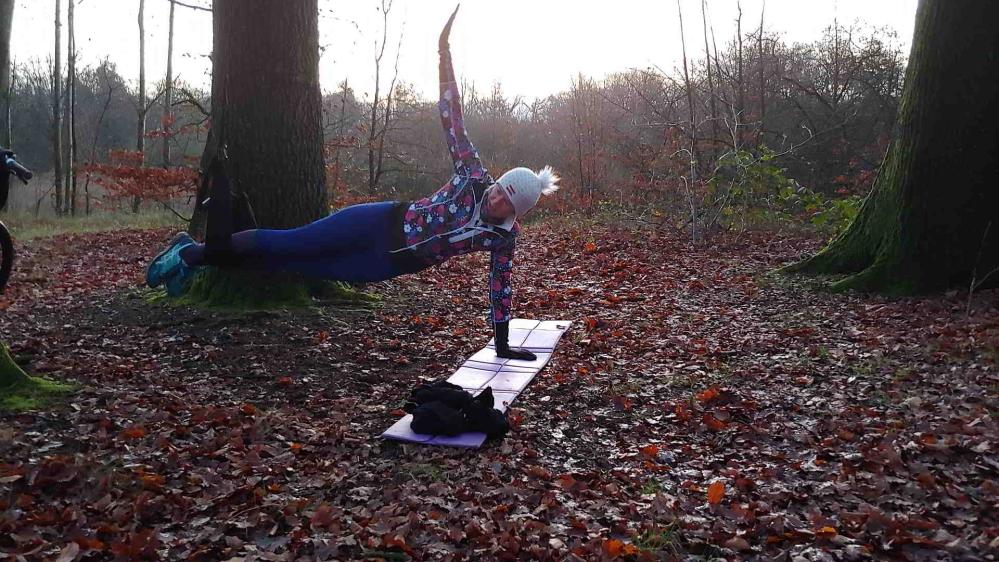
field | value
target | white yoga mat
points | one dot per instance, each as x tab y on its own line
507	377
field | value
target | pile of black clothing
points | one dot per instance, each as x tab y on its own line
442	408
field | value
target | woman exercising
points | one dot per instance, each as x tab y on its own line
379	241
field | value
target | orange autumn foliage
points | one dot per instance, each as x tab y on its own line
124	176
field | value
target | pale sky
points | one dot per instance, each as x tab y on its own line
532	47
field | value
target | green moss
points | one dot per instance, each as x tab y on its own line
20	392
423	471
243	290
154	296
661	540
32	393
870	281
887	275
335	292
10	372
651	487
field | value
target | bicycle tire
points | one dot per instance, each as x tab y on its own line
6	256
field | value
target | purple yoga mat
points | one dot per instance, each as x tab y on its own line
507	377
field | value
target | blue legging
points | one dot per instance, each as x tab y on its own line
350	245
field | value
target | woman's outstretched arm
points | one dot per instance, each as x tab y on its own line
500	297
463	153
500	286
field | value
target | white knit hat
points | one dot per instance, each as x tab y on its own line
523	187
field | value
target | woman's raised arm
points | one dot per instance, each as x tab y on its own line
463	153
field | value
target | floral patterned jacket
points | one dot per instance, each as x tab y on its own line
448	223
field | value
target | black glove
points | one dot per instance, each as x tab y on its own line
503	346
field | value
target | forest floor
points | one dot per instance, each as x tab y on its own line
698	408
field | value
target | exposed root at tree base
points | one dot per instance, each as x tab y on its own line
32	393
242	290
877	277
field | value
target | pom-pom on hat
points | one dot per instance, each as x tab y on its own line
524	187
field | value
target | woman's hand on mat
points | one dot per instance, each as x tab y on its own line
508	353
443	44
503	347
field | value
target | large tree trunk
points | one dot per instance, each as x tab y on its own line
268	114
197	227
8	129
6	23
10	373
932	220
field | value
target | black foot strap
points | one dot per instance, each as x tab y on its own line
219	230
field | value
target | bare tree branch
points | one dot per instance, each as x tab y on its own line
191	6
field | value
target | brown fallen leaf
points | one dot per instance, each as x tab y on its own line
134	432
738	543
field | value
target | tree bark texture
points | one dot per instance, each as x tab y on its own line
267	109
6	24
10	373
931	221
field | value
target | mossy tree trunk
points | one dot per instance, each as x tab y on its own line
10	373
20	392
6	24
931	221
267	106
267	112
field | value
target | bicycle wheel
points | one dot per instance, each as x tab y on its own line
6	256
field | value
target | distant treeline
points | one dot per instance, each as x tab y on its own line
824	110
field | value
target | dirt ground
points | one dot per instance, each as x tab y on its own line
698	408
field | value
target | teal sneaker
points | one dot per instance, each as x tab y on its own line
161	267
179	279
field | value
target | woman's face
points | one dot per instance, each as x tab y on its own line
498	205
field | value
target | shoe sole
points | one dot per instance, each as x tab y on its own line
173	242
